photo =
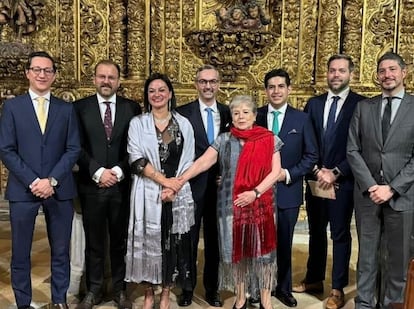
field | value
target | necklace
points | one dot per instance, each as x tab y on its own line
162	120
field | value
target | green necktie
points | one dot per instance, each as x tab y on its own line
275	127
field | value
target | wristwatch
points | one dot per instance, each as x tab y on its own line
53	182
258	194
336	172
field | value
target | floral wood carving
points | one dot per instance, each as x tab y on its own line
230	52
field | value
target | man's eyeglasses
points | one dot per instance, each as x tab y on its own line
204	82
47	71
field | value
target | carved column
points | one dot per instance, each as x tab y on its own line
137	28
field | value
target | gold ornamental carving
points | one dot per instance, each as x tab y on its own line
230	52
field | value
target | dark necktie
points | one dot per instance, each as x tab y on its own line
210	125
332	112
386	119
108	120
275	126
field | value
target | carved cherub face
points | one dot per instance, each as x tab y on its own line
237	14
253	12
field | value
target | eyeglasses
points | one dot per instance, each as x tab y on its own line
204	82
47	71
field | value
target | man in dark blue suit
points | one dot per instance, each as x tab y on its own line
298	156
204	186
104	181
331	113
39	145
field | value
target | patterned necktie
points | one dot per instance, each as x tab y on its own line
210	125
386	119
275	126
41	113
108	120
332	113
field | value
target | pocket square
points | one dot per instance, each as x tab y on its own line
293	131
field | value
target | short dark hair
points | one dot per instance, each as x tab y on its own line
41	54
163	77
351	65
207	67
109	62
392	56
274	73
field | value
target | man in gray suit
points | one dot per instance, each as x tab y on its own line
380	153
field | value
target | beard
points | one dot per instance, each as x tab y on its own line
337	88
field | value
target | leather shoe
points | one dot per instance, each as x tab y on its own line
286	298
60	306
89	301
25	307
122	301
213	299
316	287
336	300
185	299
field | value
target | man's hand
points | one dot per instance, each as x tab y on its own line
380	193
282	175
326	178
108	178
42	188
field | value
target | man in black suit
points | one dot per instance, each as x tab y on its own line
298	156
204	186
104	181
331	114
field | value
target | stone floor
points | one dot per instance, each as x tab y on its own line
41	272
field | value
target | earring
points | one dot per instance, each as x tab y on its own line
169	104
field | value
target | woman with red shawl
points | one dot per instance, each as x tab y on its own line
249	165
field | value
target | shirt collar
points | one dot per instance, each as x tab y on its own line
34	95
203	106
398	95
343	94
282	110
101	99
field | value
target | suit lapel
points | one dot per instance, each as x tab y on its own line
402	112
287	124
376	117
120	111
198	122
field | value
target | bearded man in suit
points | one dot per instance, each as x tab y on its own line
103	181
380	153
331	113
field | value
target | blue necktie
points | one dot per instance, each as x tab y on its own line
275	126
210	125
332	112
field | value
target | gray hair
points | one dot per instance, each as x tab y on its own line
243	99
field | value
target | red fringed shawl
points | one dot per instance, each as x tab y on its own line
254	231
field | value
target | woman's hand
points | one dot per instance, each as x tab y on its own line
168	195
245	198
172	183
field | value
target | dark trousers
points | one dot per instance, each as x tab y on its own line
338	213
286	221
58	217
382	230
105	213
206	214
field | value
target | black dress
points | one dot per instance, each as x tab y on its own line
176	248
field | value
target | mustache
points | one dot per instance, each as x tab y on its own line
106	85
